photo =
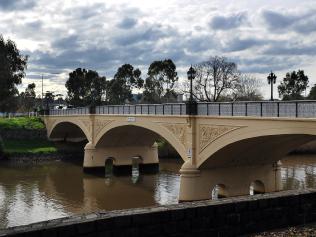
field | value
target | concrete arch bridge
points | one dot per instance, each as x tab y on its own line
225	145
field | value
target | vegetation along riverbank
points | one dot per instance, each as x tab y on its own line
24	137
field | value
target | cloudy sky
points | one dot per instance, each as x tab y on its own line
60	36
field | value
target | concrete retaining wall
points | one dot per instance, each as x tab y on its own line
226	217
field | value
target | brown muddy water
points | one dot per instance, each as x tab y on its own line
30	193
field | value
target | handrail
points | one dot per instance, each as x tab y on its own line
294	108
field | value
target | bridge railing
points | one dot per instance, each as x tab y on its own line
151	109
299	109
72	111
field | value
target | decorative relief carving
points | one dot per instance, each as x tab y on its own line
99	124
87	124
179	130
209	133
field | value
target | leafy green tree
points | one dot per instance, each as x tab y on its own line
1	148
312	93
85	87
159	86
119	89
293	85
49	98
28	98
12	67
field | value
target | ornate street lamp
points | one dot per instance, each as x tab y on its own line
191	105
271	80
191	75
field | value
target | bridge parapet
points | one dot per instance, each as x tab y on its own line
296	109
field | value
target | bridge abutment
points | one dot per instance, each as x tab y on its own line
200	184
95	158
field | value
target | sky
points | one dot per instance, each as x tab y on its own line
60	36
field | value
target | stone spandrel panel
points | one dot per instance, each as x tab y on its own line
209	133
99	124
179	130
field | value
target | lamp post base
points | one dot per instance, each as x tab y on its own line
191	108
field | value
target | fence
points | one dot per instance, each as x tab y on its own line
299	109
72	111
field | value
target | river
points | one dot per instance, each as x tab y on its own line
49	190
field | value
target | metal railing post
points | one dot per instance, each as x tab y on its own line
296	109
261	109
219	109
246	111
232	109
207	109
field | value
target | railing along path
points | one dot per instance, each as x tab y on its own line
298	109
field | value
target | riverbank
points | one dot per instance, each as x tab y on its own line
25	137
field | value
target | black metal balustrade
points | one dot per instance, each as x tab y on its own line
72	111
298	109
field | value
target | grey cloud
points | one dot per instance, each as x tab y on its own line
237	44
264	64
291	50
148	34
71	41
127	23
304	22
228	22
8	5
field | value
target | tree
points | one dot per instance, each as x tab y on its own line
215	77
49	98
28	97
312	93
119	89
247	89
159	86
12	67
85	87
293	85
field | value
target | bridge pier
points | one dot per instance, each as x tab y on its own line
197	184
95	158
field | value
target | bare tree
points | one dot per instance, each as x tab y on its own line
248	88
214	78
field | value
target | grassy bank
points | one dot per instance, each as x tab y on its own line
31	123
20	144
12	147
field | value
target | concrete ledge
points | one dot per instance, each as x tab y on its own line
226	217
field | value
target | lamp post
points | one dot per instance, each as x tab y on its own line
271	80
191	104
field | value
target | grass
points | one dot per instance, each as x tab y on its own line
21	123
29	147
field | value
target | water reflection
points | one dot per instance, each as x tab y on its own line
299	172
56	189
46	191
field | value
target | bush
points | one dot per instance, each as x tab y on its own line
1	147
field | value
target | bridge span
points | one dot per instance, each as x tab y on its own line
224	145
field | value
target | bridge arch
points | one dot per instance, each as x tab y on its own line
65	125
253	145
154	128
